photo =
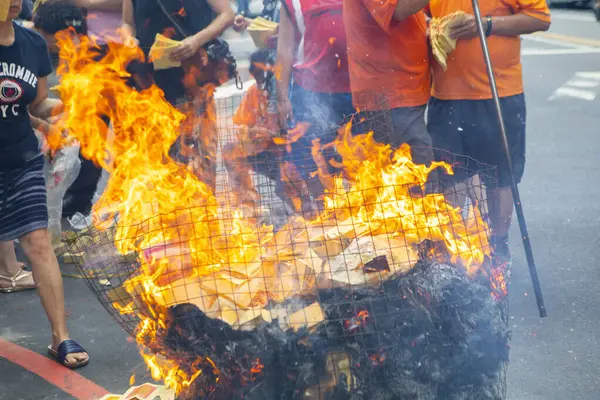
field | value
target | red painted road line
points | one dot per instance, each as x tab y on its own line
63	378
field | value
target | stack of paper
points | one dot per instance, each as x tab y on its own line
4	8
439	36
261	30
161	51
147	391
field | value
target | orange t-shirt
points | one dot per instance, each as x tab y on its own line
466	77
386	57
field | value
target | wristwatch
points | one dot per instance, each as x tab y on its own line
488	28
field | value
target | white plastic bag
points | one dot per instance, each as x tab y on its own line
60	173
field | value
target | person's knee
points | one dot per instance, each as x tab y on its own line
38	240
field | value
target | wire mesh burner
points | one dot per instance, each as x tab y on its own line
379	291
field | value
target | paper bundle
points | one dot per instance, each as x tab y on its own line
4	8
146	391
439	36
160	52
261	30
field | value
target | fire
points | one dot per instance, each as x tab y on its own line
359	320
498	282
257	367
227	266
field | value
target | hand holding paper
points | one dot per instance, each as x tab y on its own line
161	52
442	43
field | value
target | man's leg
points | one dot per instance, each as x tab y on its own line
487	147
409	127
446	128
500	198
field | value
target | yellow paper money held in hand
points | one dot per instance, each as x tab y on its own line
161	50
261	30
439	36
4	9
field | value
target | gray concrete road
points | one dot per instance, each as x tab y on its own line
557	358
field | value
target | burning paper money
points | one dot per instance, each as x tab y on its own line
261	30
161	51
439	36
146	391
197	260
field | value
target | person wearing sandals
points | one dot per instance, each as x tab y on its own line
24	67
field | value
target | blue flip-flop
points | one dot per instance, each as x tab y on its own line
67	347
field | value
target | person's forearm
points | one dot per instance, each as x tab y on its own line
128	21
406	8
216	28
46	108
39	124
287	47
284	68
101	5
517	24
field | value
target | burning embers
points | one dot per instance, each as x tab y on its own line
434	333
382	295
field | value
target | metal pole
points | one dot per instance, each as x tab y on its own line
515	190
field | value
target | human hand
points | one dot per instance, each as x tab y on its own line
465	28
284	108
128	36
240	23
187	48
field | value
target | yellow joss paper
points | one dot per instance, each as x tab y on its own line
161	50
4	8
439	36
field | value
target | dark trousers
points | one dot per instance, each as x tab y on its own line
243	7
326	112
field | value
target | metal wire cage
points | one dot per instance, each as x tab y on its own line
376	292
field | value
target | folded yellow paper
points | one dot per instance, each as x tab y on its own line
261	30
439	36
4	8
161	51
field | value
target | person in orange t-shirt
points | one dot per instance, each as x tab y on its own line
388	59
462	116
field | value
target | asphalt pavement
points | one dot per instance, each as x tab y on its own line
556	358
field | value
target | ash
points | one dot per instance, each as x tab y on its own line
431	334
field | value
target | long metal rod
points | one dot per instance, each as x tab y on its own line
515	189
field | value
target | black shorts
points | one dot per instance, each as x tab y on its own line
470	128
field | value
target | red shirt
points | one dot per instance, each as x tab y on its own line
322	61
388	58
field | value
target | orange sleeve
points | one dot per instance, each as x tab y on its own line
534	8
246	112
382	11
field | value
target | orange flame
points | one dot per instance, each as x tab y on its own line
182	237
257	367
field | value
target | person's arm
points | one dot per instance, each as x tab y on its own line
522	23
43	107
287	48
406	8
100	5
128	21
384	12
39	124
190	46
518	24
